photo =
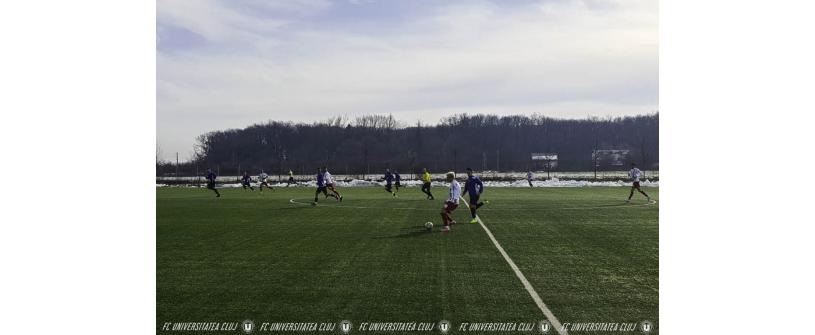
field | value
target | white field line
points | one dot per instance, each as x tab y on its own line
538	301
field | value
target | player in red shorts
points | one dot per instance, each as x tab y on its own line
451	203
635	174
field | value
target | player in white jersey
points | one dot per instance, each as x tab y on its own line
263	178
635	175
329	183
451	203
529	177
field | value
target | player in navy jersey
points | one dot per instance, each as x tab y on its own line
397	180
322	186
474	187
246	181
211	176
389	182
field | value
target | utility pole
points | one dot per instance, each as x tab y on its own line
455	159
594	162
497	159
176	166
594	153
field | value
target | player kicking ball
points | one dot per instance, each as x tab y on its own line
246	181
211	176
635	175
264	181
451	203
321	187
329	183
474	187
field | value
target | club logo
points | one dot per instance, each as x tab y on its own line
646	326
247	326
345	326
544	326
444	326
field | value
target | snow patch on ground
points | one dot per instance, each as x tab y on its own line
554	182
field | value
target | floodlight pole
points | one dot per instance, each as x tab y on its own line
548	167
594	162
176	166
497	159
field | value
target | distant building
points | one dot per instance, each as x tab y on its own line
610	158
544	161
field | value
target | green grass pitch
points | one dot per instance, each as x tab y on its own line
253	255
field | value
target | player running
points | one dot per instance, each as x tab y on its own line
329	183
264	180
291	178
398	180
529	177
426	184
211	176
389	182
451	203
246	181
635	174
321	186
474	187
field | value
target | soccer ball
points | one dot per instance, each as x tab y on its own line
428	226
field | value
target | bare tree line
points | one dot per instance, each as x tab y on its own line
368	144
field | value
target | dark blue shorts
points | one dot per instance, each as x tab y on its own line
474	199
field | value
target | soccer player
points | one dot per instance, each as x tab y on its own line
398	178
263	178
451	203
329	183
389	182
426	184
474	187
321	186
211	176
246	180
291	178
529	177
635	174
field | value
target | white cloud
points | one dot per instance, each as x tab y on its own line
566	59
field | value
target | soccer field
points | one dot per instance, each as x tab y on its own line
259	256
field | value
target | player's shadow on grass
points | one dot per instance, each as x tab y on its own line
407	232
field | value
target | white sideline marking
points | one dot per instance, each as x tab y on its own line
538	301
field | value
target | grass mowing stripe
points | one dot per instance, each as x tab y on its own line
264	258
538	301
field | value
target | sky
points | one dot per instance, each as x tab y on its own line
230	64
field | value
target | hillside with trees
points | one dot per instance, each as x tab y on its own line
369	144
